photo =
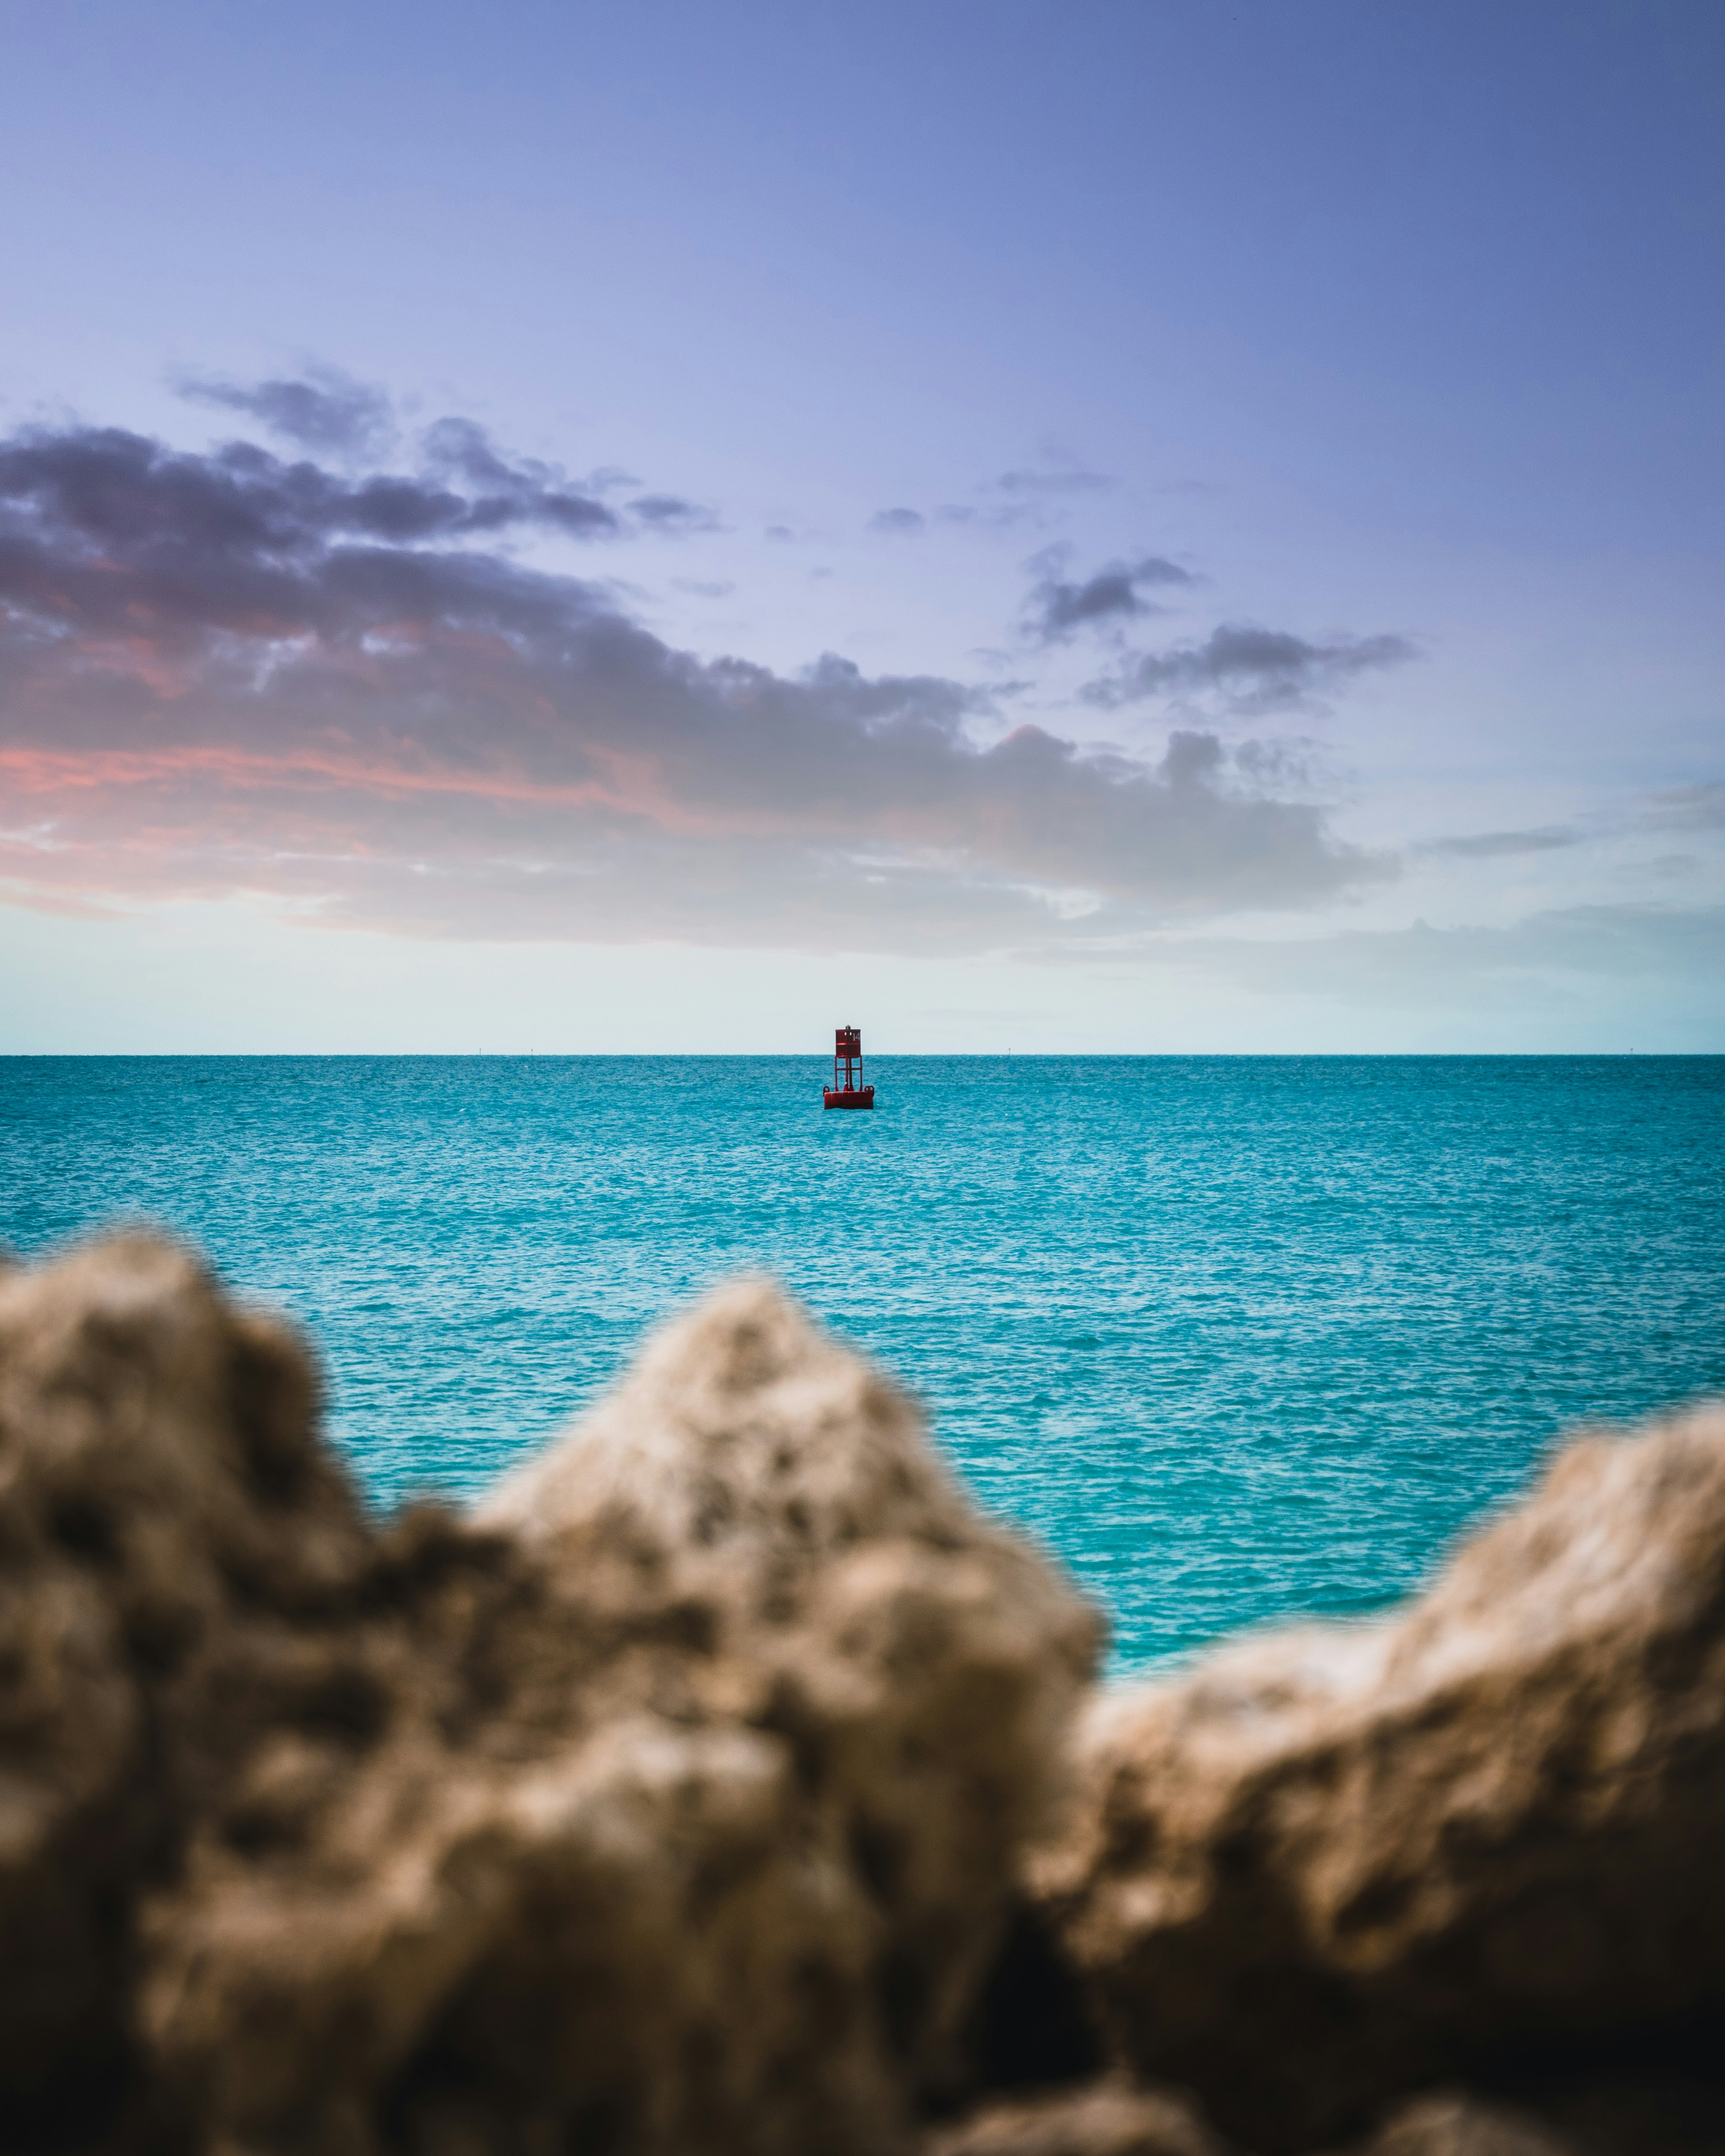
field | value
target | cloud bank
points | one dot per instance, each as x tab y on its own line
325	679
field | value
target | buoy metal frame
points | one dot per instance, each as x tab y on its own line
852	1093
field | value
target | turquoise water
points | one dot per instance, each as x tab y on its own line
1238	1337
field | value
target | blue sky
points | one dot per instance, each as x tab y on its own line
1118	527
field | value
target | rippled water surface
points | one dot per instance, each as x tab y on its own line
1238	1337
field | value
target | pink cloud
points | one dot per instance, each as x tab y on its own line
228	674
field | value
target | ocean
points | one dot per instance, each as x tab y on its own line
1241	1338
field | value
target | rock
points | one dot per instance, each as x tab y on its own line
1105	2118
1452	2124
672	1804
160	1495
1337	1863
908	1671
916	1666
1113	2117
1575	2112
685	1800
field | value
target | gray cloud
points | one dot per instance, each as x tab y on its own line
1495	845
81	493
1058	606
1547	961
224	534
1248	668
902	522
990	516
502	490
1055	479
670	513
1030	493
323	410
227	672
1699	808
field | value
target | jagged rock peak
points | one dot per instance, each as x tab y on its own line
743	1428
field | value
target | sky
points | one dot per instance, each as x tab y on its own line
1177	527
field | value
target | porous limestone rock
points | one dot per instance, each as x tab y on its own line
1108	2117
161	1496
1453	2123
672	1805
1333	1864
1573	2112
916	1668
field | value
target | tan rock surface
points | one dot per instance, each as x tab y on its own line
919	1666
671	1806
1335	1863
1110	2118
674	1804
160	1497
1577	2112
1452	2124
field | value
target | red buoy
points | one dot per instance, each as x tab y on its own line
847	1049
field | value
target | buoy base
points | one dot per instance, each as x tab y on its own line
858	1096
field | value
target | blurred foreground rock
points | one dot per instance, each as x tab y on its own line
715	1790
1580	2115
167	1523
1334	1863
671	1805
1110	2118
